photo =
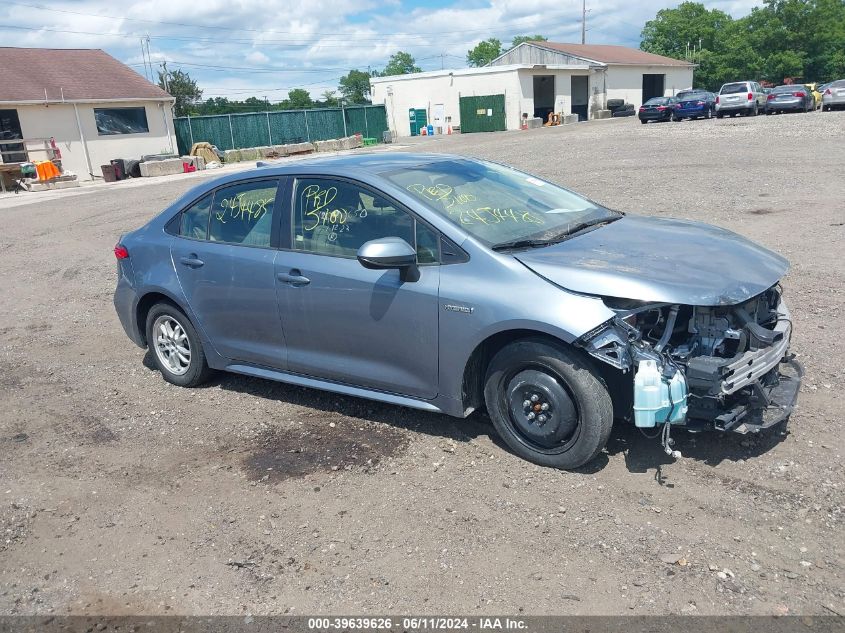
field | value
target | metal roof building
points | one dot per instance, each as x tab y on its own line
534	78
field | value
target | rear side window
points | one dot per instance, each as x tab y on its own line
194	220
730	89
243	213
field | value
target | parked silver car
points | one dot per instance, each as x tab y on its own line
740	97
790	98
834	95
449	284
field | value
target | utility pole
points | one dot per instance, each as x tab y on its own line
583	21
164	76
442	61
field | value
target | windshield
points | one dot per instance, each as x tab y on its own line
497	204
658	101
729	89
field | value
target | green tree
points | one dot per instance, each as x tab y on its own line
330	98
484	52
519	39
355	87
181	87
401	63
299	99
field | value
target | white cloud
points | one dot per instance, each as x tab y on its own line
311	43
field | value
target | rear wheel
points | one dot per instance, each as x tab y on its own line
547	404
176	347
719	115
643	121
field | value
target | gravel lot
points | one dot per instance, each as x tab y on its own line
122	494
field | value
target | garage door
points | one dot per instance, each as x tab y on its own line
485	113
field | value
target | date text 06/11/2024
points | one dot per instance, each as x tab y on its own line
417	624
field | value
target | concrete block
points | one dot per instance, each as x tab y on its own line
344	143
570	118
603	114
162	167
250	153
196	161
332	145
281	150
357	141
232	155
266	151
300	148
535	121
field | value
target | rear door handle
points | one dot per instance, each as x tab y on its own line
191	262
294	278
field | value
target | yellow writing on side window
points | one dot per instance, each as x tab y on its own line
315	203
248	205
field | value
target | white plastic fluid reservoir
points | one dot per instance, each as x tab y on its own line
678	392
657	400
649	394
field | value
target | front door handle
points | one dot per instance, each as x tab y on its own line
294	278
192	261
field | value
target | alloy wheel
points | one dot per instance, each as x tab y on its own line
172	346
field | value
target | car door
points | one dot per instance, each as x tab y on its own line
370	328
224	257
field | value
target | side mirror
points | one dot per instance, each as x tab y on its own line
387	252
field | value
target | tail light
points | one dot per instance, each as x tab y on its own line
770	97
661	108
827	92
642	108
750	96
120	251
717	98
799	94
700	103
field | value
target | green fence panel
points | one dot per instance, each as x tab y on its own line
183	135
288	126
483	113
212	129
324	124
250	130
256	129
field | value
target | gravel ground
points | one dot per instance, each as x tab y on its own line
122	494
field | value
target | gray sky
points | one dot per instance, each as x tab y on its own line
241	48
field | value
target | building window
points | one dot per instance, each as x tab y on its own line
121	120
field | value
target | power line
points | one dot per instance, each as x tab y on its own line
423	34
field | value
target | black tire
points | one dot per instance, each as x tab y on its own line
578	405
197	370
643	122
719	115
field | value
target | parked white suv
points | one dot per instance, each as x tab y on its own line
740	97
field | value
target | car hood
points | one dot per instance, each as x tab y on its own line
661	260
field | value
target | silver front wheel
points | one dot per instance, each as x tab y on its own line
172	346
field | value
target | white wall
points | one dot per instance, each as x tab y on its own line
426	91
626	82
59	121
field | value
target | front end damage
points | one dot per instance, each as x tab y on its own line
724	367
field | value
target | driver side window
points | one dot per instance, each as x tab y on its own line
334	218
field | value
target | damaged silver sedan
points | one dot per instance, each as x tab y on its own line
449	284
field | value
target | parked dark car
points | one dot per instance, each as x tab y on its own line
694	104
795	98
657	109
449	284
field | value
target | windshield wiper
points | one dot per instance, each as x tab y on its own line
506	246
577	228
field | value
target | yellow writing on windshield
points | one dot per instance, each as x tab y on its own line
442	193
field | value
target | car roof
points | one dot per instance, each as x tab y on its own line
362	166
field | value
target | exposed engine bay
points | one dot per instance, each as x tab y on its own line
725	367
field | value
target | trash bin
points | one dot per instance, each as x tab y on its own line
108	173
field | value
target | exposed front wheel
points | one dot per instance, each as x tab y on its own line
176	348
547	404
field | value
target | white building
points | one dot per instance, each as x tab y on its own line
535	78
95	107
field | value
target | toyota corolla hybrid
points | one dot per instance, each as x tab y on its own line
450	284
